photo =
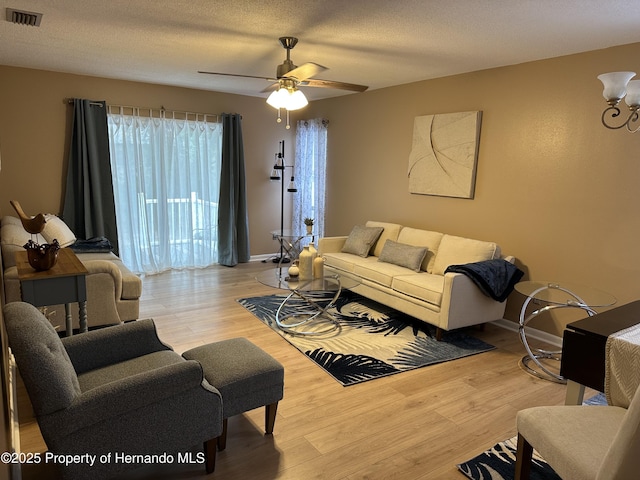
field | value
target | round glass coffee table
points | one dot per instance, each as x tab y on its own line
554	296
318	295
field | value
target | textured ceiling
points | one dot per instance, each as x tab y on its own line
371	42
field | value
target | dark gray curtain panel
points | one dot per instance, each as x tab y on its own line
89	206
233	223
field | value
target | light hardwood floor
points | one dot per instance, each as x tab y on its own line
414	425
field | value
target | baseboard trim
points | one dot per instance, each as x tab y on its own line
261	258
532	333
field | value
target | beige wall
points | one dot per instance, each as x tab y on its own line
554	187
34	126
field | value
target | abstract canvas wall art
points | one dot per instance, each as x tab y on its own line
444	154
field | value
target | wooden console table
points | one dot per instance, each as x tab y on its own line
583	348
65	283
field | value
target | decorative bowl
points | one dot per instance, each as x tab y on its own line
42	257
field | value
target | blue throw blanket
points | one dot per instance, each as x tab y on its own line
495	278
92	245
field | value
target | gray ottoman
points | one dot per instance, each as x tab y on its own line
246	376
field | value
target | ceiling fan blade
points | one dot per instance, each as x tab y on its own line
316	82
269	79
304	71
290	76
270	88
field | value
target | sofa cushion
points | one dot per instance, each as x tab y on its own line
403	255
131	283
127	368
340	261
459	250
361	240
423	238
10	220
13	237
378	272
55	228
14	234
368	268
390	232
424	286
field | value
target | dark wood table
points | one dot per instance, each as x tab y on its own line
64	283
583	348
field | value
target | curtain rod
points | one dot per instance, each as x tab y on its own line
163	111
71	101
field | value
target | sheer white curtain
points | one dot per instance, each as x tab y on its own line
166	179
310	174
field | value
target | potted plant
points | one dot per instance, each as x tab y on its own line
309	223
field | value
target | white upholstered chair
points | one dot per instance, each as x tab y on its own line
581	442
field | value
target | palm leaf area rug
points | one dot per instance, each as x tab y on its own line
372	340
499	462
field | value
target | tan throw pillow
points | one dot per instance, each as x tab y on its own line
403	255
361	240
54	227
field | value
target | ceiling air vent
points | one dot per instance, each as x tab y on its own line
22	17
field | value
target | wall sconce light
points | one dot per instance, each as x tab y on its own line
618	85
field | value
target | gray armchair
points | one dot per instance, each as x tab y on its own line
113	390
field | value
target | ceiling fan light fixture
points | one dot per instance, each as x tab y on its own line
277	99
289	76
287	98
296	100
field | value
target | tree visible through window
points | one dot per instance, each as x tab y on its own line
166	174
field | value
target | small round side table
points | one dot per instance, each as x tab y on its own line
554	296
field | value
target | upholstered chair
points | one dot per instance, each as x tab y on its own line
114	390
581	442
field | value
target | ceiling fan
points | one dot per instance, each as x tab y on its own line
289	77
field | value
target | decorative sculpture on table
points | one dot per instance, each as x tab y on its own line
305	264
294	271
40	256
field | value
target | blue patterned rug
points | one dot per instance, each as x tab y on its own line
499	463
372	340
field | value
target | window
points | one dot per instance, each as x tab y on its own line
310	174
166	180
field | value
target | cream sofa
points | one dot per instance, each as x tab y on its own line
113	291
445	300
